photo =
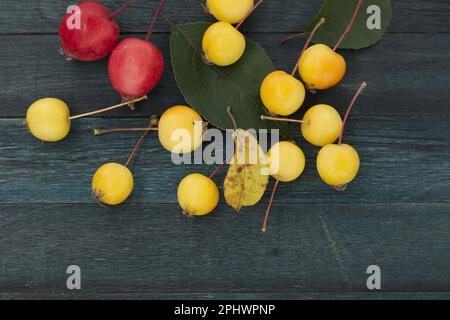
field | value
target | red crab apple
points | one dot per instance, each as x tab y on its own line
136	66
89	31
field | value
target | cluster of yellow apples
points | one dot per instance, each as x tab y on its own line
223	44
180	130
49	120
319	67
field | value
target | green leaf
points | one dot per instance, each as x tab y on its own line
211	89
338	14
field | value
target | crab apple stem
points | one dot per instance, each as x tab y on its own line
119	11
99	132
109	108
212	175
350	107
295	36
141	139
232	118
167	20
266	218
249	13
308	41
282	119
173	26
155	17
350	25
204	6
152	125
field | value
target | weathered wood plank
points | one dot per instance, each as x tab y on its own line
154	249
404	159
224	296
320	242
400	74
43	16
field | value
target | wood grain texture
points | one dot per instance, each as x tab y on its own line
205	296
44	16
401	71
320	242
402	160
155	249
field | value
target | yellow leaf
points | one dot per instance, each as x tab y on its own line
248	175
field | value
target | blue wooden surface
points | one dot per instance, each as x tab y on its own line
320	242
